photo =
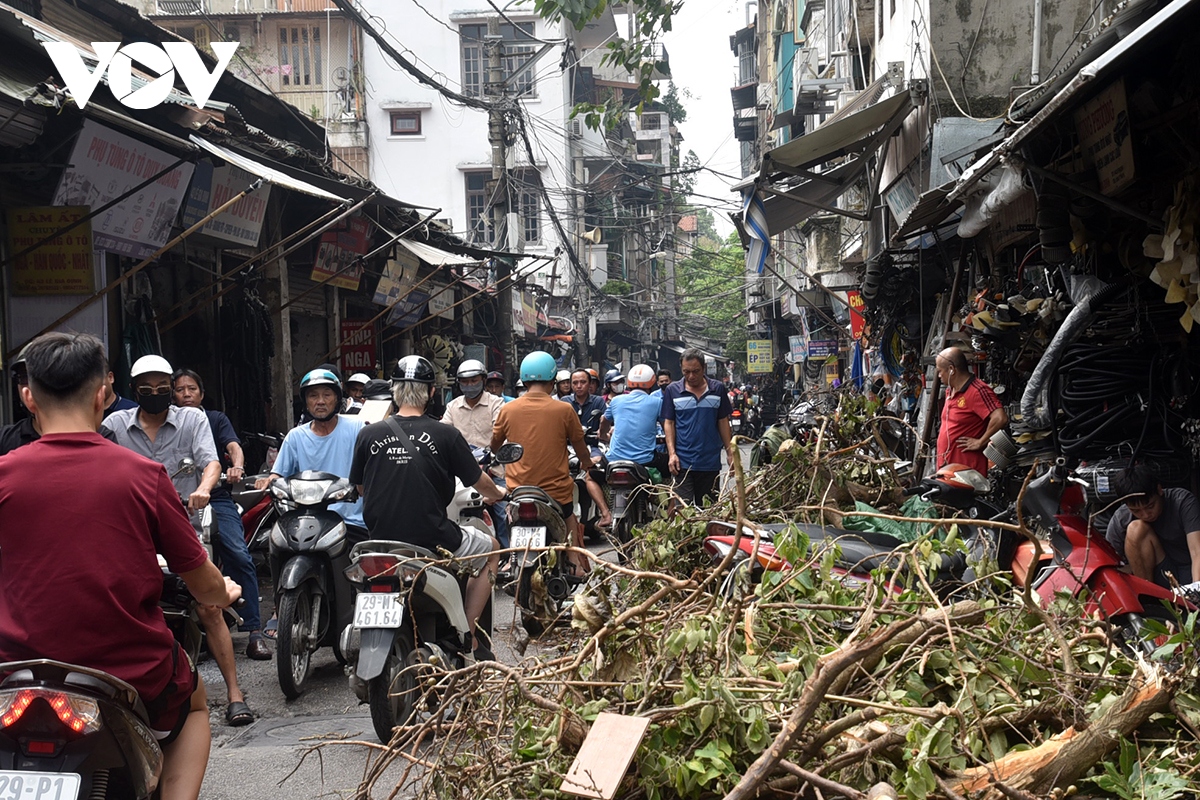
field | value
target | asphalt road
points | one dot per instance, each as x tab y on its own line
274	758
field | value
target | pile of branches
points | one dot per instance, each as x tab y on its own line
803	685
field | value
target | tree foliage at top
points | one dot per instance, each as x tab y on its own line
710	283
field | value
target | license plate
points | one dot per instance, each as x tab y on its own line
527	537
20	785
377	610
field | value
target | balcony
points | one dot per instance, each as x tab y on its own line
745	129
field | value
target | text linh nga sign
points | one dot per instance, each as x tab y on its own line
65	264
106	164
358	346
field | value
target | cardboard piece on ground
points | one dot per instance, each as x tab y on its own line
605	756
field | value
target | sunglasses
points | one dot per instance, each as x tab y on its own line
151	391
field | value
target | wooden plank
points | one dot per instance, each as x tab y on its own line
605	756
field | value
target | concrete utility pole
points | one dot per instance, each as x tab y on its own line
497	189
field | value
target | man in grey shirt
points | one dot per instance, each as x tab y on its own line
1157	530
168	434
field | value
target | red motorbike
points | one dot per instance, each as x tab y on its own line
1074	559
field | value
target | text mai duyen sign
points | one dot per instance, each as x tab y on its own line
117	61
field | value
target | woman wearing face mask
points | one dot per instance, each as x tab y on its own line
614	384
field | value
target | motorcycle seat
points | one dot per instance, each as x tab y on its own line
534	493
862	550
637	469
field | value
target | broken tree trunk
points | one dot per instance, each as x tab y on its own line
1059	761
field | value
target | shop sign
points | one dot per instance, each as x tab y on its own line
822	348
758	356
104	165
211	188
441	301
397	276
409	311
857	323
902	196
1104	136
358	346
65	264
338	250
524	312
798	348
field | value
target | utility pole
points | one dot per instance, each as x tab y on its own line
498	188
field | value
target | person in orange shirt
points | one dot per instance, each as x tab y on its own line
544	426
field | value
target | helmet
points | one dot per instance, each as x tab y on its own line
592	374
413	368
322	377
563	375
642	376
495	376
470	369
613	376
359	377
147	364
538	366
377	389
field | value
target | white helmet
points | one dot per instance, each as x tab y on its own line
147	364
471	369
563	375
359	377
641	376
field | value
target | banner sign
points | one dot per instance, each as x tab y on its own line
798	347
358	347
1104	136
104	165
242	222
338	249
857	323
441	301
524	312
822	348
410	310
758	356
397	276
65	264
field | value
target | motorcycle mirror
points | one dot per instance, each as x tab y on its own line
186	467
509	453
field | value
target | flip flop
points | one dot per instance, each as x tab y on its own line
238	714
271	629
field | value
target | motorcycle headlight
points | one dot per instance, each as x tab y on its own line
309	493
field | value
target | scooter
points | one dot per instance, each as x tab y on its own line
586	510
308	557
409	614
633	498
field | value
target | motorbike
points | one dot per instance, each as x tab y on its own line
586	510
1075	560
308	558
68	731
544	579
633	498
409	612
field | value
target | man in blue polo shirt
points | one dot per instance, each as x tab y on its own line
695	412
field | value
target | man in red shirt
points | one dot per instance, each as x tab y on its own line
81	522
971	413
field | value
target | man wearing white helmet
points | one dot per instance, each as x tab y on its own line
354	392
168	434
473	414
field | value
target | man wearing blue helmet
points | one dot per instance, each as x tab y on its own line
544	426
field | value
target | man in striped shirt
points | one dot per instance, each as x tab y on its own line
971	413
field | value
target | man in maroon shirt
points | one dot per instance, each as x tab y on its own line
81	522
970	416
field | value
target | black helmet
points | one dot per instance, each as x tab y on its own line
413	368
377	389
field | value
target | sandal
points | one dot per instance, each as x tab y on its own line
271	629
238	714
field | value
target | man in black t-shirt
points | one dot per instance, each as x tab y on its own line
405	468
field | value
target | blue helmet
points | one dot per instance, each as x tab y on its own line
538	366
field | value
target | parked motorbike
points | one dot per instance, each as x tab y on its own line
409	614
308	557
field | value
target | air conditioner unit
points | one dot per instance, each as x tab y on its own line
575	128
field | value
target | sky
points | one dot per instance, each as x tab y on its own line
702	63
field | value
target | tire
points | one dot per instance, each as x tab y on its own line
293	657
394	693
537	614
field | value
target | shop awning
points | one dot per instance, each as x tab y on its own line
1169	19
263	171
434	256
786	207
839	136
930	211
